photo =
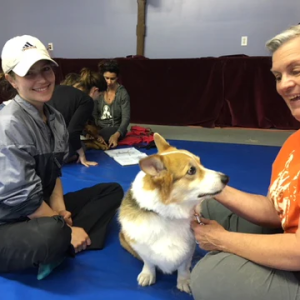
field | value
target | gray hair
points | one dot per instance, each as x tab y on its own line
283	37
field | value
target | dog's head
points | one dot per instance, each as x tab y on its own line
178	175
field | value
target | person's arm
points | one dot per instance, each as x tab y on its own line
43	211
125	112
254	208
79	118
125	119
279	251
56	200
21	192
96	112
77	124
113	140
82	159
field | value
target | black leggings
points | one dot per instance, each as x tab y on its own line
45	240
107	132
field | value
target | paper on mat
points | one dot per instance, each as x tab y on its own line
126	156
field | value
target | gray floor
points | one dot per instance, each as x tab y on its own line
223	135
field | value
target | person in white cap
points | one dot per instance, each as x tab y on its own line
39	225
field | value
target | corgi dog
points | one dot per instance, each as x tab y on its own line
156	212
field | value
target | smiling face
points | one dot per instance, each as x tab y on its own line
286	69
37	86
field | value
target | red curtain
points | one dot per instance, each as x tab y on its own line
234	91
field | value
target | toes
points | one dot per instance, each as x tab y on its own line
184	285
145	279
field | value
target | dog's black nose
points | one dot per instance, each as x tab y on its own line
224	179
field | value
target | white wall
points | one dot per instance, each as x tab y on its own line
196	28
175	28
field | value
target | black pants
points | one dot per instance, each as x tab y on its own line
107	132
45	240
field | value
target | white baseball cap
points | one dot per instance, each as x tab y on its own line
20	53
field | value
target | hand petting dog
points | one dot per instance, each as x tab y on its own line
208	234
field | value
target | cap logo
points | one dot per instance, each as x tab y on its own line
28	46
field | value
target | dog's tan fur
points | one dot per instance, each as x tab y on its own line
156	212
126	245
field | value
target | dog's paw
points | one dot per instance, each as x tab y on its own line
145	279
183	285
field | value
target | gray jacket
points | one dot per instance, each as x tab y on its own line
116	114
31	155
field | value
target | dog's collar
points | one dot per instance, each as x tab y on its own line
197	218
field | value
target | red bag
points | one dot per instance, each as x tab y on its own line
138	135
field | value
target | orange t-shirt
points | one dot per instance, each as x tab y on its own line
284	189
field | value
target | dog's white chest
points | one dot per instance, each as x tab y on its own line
165	243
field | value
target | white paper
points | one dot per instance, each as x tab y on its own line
126	156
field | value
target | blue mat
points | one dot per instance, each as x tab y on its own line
112	272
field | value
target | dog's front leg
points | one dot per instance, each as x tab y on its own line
148	274
183	276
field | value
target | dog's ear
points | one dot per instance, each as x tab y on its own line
152	165
160	177
160	142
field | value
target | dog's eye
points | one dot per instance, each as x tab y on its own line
191	171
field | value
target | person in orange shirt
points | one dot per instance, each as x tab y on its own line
254	240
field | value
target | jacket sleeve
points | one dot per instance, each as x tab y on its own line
20	187
125	112
79	119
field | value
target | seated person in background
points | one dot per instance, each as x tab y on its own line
254	240
39	224
76	105
7	92
70	79
112	108
92	138
88	81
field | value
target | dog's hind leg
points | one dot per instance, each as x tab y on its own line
127	246
148	274
183	276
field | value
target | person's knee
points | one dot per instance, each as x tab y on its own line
119	192
54	239
221	275
118	189
211	278
200	286
115	190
